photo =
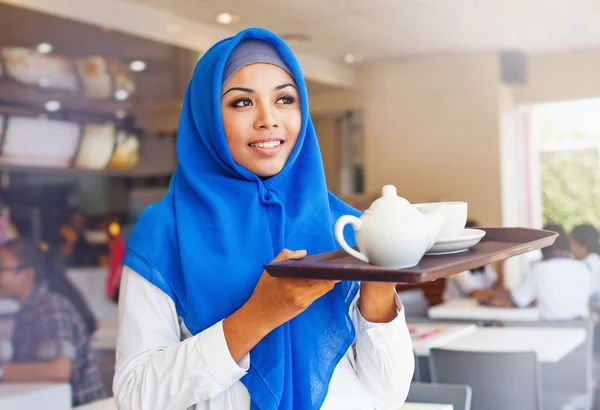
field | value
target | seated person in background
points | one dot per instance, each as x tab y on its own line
586	248
74	248
475	283
559	284
51	338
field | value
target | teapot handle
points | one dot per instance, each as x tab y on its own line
338	232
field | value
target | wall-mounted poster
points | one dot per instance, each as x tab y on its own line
44	70
96	147
126	154
39	142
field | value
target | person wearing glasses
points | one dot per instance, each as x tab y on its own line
51	337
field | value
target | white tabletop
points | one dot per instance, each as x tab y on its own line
17	396
426	406
104	404
551	344
469	309
427	335
105	337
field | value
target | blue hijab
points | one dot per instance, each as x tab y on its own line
205	243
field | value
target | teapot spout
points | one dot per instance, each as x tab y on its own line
435	221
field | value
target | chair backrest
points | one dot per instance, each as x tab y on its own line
499	380
414	303
459	396
577	366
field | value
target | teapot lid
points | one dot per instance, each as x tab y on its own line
389	201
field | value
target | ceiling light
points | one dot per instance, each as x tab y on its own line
137	66
121	95
120	114
172	28
52	105
44	48
227	18
352	58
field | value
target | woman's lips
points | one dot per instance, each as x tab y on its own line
267	146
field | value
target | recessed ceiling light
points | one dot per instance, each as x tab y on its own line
120	114
172	28
352	58
121	95
52	105
227	18
44	48
137	66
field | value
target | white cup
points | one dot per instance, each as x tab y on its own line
455	218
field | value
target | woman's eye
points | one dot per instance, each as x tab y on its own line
286	99
243	102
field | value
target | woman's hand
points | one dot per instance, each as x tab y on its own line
377	302
273	302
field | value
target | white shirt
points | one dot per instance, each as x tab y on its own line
156	370
465	283
593	262
561	287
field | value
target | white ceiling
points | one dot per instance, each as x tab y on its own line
391	29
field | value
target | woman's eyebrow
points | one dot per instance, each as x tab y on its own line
282	86
246	90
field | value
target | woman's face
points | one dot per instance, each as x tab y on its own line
15	279
578	250
261	113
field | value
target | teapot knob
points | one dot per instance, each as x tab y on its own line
389	191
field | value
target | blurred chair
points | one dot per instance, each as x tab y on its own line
569	382
459	396
414	303
499	380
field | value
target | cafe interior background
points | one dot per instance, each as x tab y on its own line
491	102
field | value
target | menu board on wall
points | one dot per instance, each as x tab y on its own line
95	77
44	70
96	147
39	142
126	154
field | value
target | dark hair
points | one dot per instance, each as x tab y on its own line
561	243
587	236
48	269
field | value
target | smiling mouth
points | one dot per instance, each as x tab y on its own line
267	144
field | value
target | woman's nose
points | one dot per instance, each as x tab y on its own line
267	117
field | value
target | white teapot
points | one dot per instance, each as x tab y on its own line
391	233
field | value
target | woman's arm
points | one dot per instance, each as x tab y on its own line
384	359
154	370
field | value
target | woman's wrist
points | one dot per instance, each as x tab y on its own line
244	329
377	303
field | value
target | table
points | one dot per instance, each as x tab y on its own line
427	335
91	283
105	337
104	404
426	406
551	344
25	396
469	309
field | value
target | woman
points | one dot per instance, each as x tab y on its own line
51	338
585	247
249	186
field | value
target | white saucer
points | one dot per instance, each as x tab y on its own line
468	239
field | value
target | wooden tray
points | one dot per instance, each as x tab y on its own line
498	244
